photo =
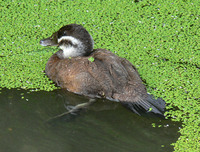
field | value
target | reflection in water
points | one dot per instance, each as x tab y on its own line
102	126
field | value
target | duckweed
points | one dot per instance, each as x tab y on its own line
161	38
91	59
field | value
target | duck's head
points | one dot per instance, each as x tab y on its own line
74	40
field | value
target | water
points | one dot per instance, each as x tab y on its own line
103	126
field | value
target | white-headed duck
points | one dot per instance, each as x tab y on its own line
105	76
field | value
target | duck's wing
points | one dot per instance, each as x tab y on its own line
108	72
120	81
135	96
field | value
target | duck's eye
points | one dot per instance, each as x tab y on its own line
64	33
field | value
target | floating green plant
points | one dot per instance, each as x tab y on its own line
91	59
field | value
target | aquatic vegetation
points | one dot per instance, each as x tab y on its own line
161	38
91	59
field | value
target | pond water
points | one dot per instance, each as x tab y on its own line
103	126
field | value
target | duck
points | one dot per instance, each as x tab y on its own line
97	73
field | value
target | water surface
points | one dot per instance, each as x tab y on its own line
103	126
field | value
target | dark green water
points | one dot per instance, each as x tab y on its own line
103	127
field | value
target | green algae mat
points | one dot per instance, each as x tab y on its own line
161	38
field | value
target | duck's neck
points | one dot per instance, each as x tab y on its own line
71	51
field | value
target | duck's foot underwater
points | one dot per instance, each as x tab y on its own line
73	110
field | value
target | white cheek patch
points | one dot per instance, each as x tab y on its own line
71	51
70	38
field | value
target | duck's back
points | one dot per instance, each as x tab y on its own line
107	76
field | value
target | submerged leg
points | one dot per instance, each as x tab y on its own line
73	109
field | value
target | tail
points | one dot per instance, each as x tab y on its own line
148	104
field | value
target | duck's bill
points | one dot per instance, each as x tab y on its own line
48	42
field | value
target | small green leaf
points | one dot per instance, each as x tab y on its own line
150	109
91	59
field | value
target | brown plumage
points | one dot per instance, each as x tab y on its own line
108	76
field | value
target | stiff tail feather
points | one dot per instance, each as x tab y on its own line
148	104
